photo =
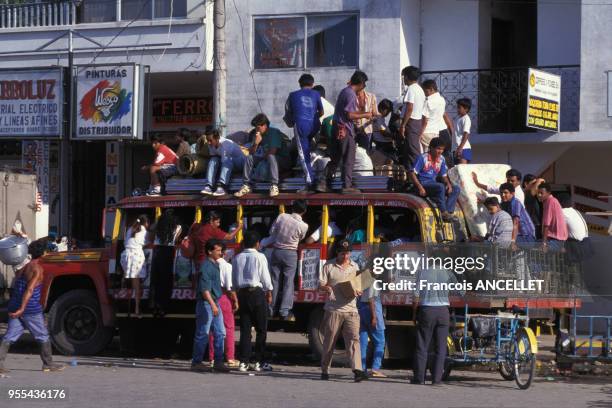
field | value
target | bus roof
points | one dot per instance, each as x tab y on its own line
361	199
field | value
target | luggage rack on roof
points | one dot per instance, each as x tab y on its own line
364	183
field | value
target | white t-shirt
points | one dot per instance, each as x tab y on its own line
363	163
576	225
462	124
434	109
137	241
415	96
225	268
332	231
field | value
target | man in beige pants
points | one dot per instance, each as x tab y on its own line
340	311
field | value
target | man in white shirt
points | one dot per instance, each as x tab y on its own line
435	119
412	113
251	278
226	154
332	230
513	176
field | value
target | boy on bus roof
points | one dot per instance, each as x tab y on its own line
164	164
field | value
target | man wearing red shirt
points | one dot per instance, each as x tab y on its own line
554	228
164	163
210	229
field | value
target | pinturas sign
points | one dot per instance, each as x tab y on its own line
31	103
109	102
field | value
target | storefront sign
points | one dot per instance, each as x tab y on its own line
112	173
108	102
543	100
176	112
31	103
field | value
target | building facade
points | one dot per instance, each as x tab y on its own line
475	49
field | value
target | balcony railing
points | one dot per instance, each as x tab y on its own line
499	96
37	14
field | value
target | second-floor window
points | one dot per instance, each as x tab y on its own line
97	11
306	41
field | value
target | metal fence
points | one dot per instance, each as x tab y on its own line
499	96
38	14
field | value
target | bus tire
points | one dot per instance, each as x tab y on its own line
75	324
315	337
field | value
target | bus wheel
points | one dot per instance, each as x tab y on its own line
75	324
315	337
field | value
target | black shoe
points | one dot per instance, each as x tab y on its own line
324	377
304	191
289	318
350	190
416	382
360	375
221	368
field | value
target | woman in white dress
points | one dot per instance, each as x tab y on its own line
133	257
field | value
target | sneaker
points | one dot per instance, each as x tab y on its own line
350	190
243	368
263	367
360	375
206	191
244	190
220	191
256	367
199	368
154	192
274	190
53	367
221	368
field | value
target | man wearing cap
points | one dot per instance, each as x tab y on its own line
340	311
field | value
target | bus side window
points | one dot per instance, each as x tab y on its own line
395	224
259	219
350	223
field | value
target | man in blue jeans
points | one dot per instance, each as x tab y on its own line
208	312
428	168
372	327
225	158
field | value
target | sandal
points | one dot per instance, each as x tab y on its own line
377	374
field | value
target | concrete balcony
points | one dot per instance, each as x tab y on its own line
499	97
48	14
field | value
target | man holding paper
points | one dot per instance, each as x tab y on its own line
337	280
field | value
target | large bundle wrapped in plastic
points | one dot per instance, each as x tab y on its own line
476	215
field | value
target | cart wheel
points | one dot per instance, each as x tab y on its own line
505	369
523	360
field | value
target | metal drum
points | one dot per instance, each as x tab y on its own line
13	250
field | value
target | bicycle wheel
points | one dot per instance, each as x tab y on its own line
523	360
506	371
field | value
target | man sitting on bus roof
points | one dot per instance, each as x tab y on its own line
268	146
164	165
428	167
224	154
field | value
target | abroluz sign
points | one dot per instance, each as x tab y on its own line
108	103
31	103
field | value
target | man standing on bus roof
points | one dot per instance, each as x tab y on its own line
302	112
286	233
343	130
25	309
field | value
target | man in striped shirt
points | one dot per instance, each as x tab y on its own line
26	311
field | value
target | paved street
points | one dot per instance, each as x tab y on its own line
113	381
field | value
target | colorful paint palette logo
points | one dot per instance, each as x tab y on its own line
105	102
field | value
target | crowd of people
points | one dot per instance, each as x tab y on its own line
360	136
